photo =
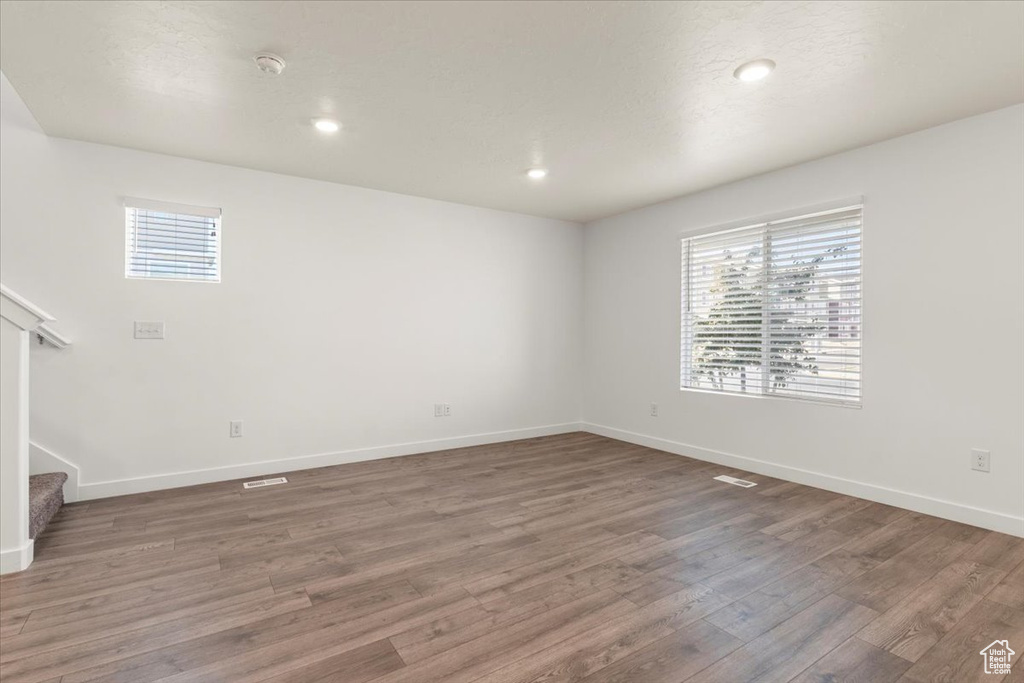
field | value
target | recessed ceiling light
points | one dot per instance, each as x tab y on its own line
326	125
755	70
537	173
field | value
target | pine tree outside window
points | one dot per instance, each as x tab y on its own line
774	308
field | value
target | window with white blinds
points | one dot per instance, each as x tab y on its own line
774	309
167	241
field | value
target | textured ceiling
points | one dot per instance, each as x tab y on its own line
627	103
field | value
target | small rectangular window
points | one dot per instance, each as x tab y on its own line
774	308
165	241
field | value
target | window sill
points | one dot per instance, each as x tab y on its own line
856	405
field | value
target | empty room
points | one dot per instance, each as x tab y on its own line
512	341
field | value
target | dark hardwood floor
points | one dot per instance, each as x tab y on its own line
565	558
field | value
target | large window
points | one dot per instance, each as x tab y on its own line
166	241
774	309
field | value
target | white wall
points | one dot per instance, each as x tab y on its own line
943	326
344	314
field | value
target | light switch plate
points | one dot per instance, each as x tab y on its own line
149	330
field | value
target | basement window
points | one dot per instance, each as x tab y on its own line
165	241
774	308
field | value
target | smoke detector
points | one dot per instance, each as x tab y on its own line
269	63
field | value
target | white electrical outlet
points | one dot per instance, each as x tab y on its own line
654	410
981	460
235	428
447	410
149	330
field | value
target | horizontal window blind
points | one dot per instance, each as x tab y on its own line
171	241
774	309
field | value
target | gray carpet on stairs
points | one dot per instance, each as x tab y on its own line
45	496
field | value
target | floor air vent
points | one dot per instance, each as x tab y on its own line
737	482
264	482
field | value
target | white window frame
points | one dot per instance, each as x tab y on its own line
685	358
134	203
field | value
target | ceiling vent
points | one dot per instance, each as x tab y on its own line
269	63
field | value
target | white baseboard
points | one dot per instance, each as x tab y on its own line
120	487
987	519
42	460
17	559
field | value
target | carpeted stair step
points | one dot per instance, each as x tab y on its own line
45	496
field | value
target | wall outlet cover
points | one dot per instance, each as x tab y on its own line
981	460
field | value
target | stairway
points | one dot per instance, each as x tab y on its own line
45	497
28	508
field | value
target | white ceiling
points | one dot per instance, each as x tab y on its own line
627	103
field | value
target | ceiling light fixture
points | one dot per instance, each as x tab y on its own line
537	173
326	125
755	70
269	63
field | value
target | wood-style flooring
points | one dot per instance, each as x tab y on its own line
564	558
